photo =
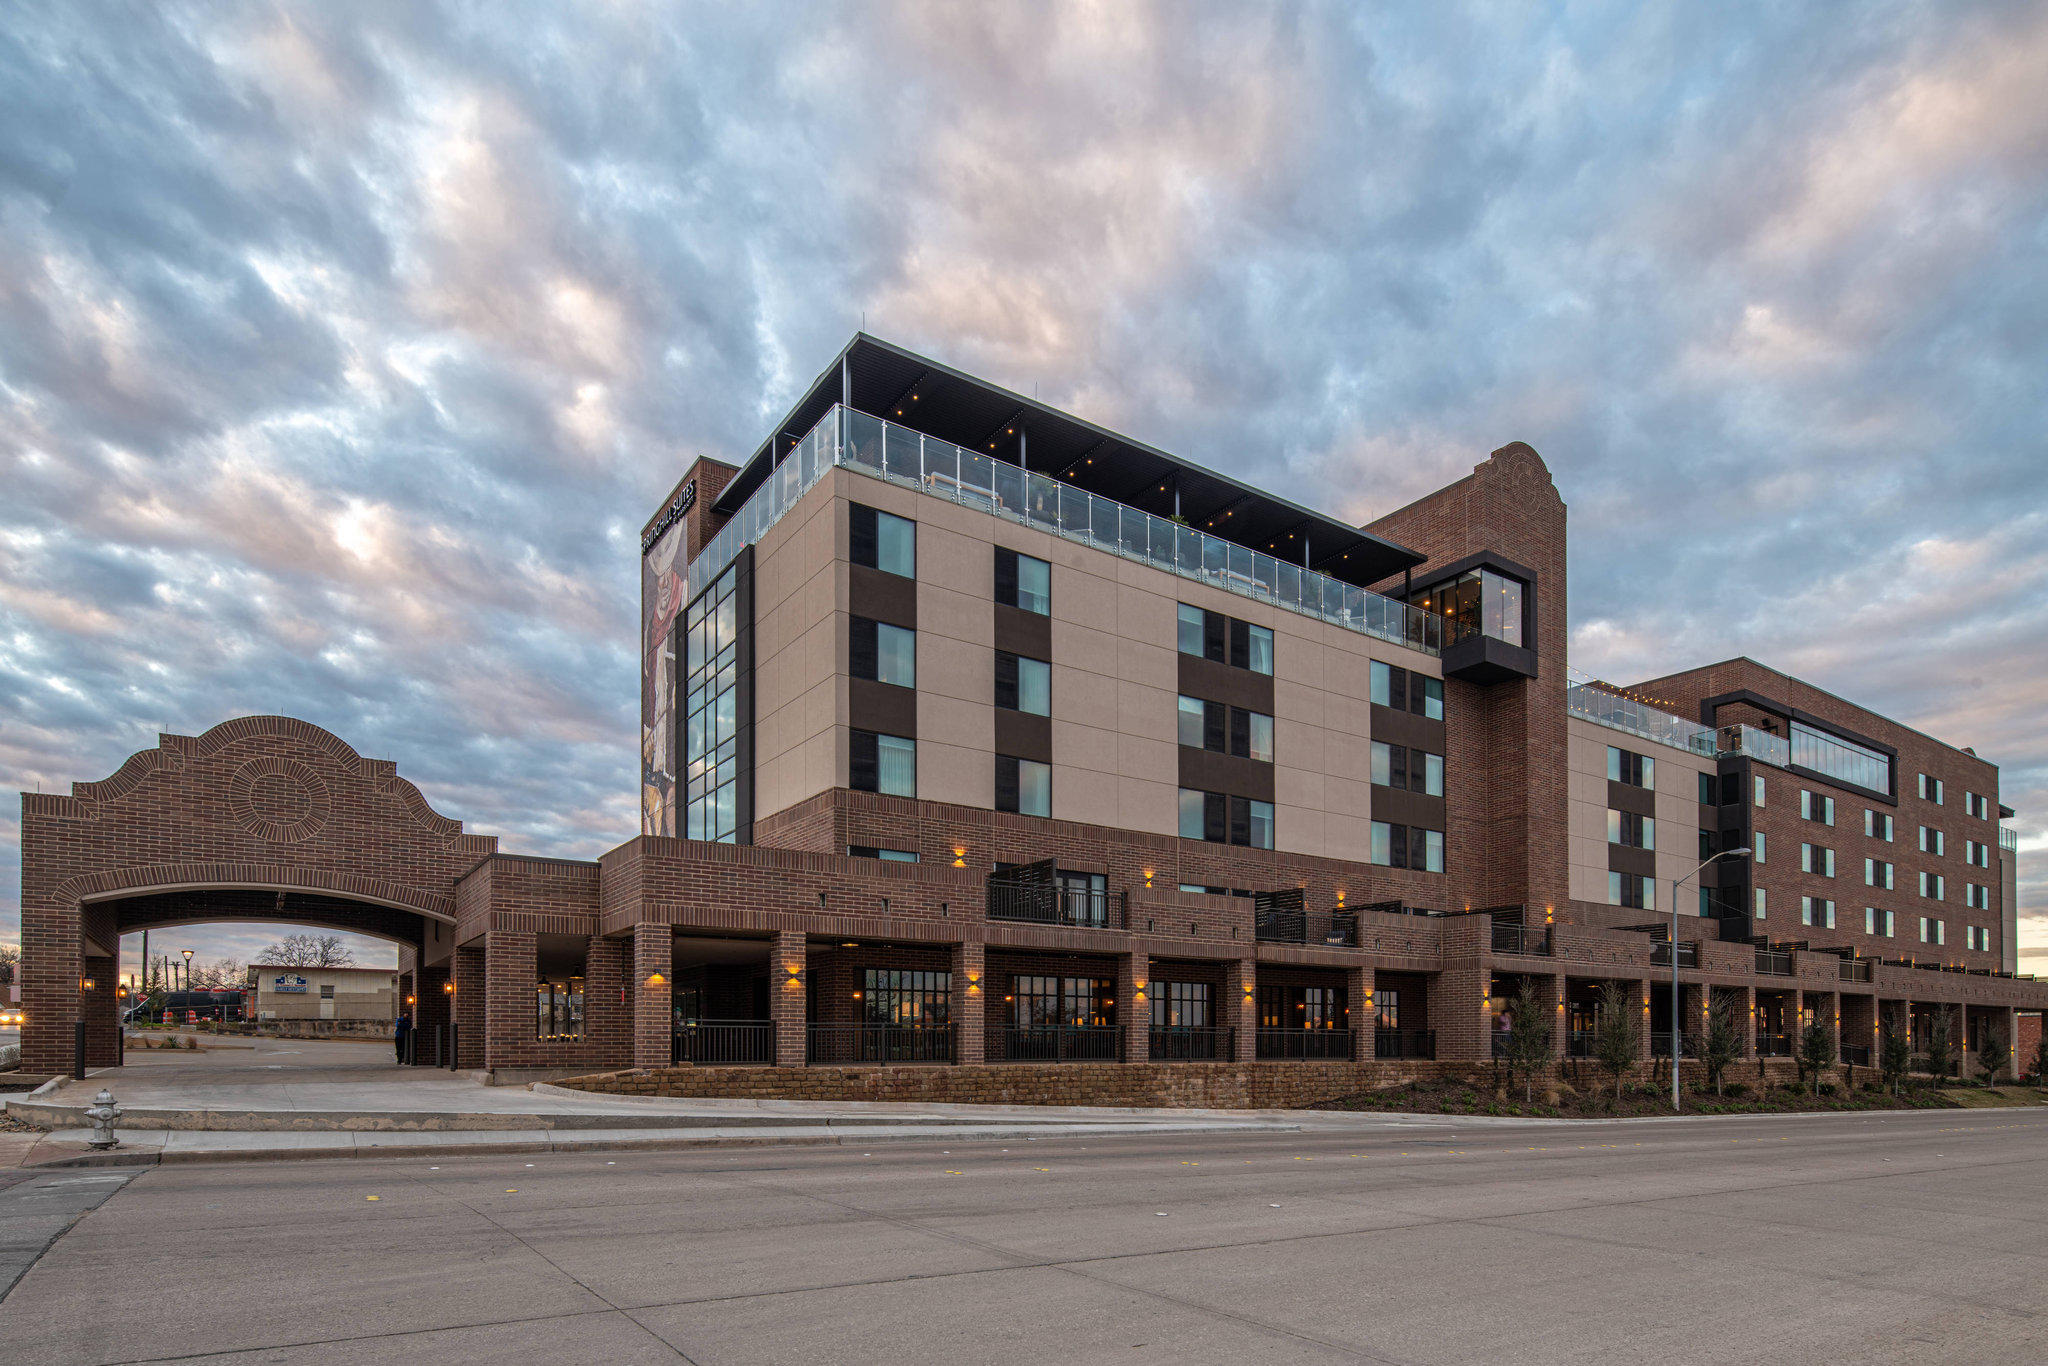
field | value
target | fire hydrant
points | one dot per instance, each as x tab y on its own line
103	1113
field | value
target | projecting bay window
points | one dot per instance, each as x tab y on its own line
1407	846
882	763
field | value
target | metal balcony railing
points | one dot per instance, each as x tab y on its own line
844	1044
1305	1043
1774	1045
1688	954
1856	1054
1404	1043
1054	1043
1774	962
1595	703
1523	939
738	1042
1189	1043
1856	970
1660	1044
1334	929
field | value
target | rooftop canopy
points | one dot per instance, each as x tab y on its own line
887	381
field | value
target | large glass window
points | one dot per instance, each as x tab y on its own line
1038	1001
1023	786
1839	758
710	692
887	654
560	1009
882	763
1180	1005
1023	684
1480	600
884	541
906	998
1023	582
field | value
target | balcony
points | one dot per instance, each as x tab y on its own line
1688	954
1856	970
1053	1043
1186	1043
1305	1044
1531	940
1401	1044
1033	894
1756	744
858	441
1774	962
723	1042
1596	704
1328	929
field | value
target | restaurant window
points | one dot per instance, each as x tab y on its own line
1180	1005
893	997
559	1009
1038	1001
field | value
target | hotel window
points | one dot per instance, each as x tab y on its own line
1023	786
884	541
1629	889
1627	766
1757	848
1817	859
1023	684
1816	911
1226	640
1023	582
1933	886
1709	796
1877	922
906	998
710	740
1629	829
1977	805
881	652
1976	896
1930	789
1977	852
1877	873
1977	938
1761	908
882	763
1877	825
1222	819
1758	780
1411	770
1223	729
1407	846
1931	841
1933	931
1402	690
885	855
1815	806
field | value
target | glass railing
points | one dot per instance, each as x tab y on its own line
1757	744
1622	713
1839	758
2008	839
899	455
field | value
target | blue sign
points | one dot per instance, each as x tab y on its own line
290	981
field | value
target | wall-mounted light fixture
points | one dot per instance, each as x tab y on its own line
959	858
85	984
448	987
655	979
974	984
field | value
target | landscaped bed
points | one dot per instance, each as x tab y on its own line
1556	1100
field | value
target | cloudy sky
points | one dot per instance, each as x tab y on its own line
343	349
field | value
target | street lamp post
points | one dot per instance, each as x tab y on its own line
188	968
1676	1047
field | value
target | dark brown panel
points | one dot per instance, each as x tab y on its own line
1208	771
1407	808
881	707
881	597
1622	859
1622	797
1405	728
1023	633
1214	682
1023	736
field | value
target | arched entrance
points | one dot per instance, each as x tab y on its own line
266	818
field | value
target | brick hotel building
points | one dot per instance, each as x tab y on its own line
978	736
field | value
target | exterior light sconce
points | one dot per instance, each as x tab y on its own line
1140	990
796	975
85	984
1368	1001
655	979
448	987
959	858
1549	915
856	996
1148	877
410	1000
974	984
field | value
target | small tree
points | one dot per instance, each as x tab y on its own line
1941	1052
1816	1054
1722	1045
1528	1045
308	951
1992	1054
1894	1049
1618	1039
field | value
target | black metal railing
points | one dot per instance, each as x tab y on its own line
1336	929
1774	1045
1053	1043
703	1042
1774	962
1580	1043
1187	1043
1305	1043
1660	1044
837	1044
1527	939
1856	1054
1855	970
1088	908
1688	954
1404	1043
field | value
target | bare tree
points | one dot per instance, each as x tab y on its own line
9	957
308	951
223	974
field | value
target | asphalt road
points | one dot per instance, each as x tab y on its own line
1910	1237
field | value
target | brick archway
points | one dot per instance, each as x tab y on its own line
263	818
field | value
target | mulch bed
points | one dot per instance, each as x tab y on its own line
1552	1100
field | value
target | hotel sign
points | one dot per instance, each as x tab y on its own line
289	982
685	499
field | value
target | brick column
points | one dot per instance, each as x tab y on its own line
1358	992
511	972
1747	1004
1134	1006
786	997
1241	1002
470	996
430	1013
1458	1014
1642	1004
970	1003
1554	1001
102	1015
650	990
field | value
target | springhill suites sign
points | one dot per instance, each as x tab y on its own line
685	499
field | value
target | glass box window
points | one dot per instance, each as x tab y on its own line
1839	758
1480	600
711	712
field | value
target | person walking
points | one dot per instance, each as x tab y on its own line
401	1034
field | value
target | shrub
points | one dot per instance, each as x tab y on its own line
1827	1088
1737	1089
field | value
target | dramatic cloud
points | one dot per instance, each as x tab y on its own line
344	348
